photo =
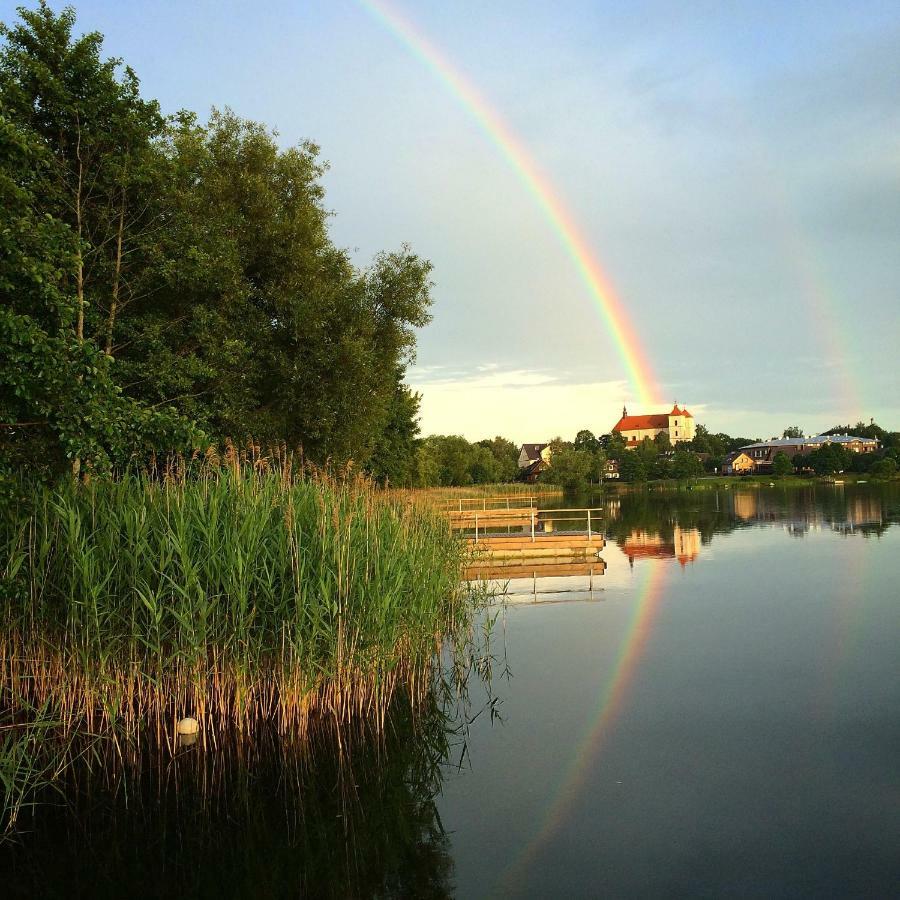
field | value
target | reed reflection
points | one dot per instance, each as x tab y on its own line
342	813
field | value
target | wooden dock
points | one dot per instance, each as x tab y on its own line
559	534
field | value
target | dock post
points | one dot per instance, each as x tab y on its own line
476	527
589	524
532	527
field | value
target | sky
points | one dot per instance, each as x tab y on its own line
733	170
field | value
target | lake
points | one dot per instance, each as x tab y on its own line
717	714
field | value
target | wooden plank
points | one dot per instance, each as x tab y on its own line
485	515
545	553
556	542
536	569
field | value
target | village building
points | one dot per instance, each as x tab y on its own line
737	463
531	453
533	459
763	453
678	424
611	470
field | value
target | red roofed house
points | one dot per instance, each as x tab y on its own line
678	424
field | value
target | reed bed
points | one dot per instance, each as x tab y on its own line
510	489
240	593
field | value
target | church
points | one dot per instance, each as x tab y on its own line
678	424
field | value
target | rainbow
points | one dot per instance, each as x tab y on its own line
609	705
541	190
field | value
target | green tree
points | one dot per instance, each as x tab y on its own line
884	468
614	445
197	260
782	465
686	464
571	469
506	456
663	442
58	399
632	466
393	458
793	431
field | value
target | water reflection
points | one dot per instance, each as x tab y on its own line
722	728
345	814
682	544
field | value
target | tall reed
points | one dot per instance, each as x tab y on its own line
237	593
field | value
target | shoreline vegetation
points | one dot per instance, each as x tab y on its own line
247	593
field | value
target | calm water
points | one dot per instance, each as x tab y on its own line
719	717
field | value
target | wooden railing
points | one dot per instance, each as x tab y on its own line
536	522
462	504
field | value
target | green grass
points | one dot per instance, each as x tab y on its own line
243	594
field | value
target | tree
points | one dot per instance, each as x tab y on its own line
663	442
393	458
782	465
884	468
196	259
614	444
571	468
58	397
686	465
506	457
72	133
793	431
585	440
632	467
829	459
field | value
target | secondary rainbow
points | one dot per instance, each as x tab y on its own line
609	705
612	310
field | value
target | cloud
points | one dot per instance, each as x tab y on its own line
520	404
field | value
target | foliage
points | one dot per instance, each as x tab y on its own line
782	465
572	469
793	431
446	460
162	278
884	468
829	459
686	464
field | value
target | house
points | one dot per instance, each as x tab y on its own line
531	453
530	473
763	453
737	463
678	424
611	469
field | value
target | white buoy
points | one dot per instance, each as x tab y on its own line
188	725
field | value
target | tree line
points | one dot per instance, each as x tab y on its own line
168	282
447	460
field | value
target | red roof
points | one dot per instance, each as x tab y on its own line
656	420
632	423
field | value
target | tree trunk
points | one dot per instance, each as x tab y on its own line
114	302
79	261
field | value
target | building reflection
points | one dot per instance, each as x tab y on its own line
800	512
682	544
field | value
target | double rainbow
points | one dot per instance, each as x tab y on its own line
541	190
